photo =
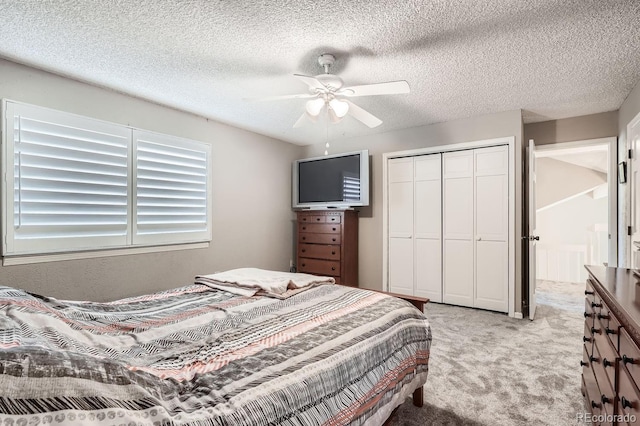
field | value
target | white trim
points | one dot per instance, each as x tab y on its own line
631	194
611	143
518	315
25	260
543	150
514	235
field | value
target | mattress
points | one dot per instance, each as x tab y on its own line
194	355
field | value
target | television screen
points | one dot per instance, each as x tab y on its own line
339	180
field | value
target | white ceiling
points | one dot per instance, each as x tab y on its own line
551	58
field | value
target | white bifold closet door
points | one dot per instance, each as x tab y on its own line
475	228
415	227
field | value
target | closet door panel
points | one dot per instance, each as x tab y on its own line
491	161
458	272
429	269
428	227
401	265
400	204
492	276
428	209
491	207
491	228
400	209
458	241
458	208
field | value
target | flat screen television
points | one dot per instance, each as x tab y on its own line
332	181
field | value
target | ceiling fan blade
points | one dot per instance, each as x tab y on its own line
362	115
388	88
312	82
280	97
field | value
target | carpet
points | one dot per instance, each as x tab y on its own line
488	369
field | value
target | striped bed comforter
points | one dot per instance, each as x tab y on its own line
330	355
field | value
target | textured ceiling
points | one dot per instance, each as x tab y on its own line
552	59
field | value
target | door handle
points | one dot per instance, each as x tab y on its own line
531	237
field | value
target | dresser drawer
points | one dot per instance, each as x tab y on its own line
591	386
320	218
321	267
306	237
334	218
605	361
320	228
588	338
588	311
319	251
606	395
629	354
612	331
311	218
629	402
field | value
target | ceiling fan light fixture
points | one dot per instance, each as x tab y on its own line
333	117
314	106
341	108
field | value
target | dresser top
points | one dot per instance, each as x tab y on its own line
620	288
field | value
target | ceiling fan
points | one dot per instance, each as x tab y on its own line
326	92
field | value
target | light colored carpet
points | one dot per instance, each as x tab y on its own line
488	369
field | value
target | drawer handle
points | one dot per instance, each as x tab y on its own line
583	364
603	316
318	219
595	404
586	339
587	292
626	403
303	250
609	331
333	239
333	252
304	228
586	315
304	238
304	219
594	330
627	360
604	399
333	229
591	357
333	268
304	264
596	305
607	363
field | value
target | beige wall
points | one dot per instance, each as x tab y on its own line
581	128
252	218
507	123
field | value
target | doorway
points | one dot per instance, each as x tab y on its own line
575	217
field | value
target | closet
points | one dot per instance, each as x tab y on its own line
448	226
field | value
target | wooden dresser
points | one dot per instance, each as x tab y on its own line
611	353
327	244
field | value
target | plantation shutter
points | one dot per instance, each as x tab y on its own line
171	188
69	181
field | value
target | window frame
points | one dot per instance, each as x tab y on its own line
131	244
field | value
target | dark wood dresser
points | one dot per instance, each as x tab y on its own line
328	244
611	353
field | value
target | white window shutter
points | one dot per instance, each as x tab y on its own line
69	187
171	188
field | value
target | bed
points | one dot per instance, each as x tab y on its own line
200	355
